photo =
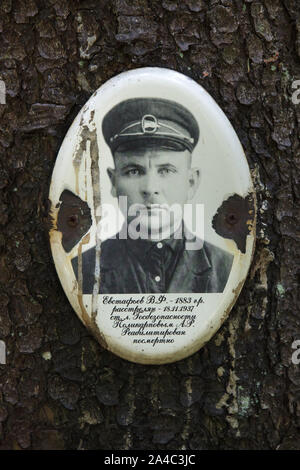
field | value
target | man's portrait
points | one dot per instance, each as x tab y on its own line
151	141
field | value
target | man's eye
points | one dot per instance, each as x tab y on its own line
133	172
165	171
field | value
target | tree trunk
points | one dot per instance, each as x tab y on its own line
59	389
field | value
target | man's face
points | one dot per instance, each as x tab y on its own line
156	179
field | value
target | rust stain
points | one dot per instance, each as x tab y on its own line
235	219
76	169
92	116
51	224
78	154
85	137
85	316
95	174
51	220
85	241
94	330
90	136
85	179
73	219
250	223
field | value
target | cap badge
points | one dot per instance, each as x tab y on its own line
149	124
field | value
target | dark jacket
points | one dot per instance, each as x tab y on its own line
200	271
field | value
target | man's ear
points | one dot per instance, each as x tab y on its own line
194	181
112	176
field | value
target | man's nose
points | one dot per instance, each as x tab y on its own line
151	184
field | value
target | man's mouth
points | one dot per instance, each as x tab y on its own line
156	208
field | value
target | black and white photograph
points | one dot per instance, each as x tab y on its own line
155	176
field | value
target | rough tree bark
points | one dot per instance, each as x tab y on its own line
59	389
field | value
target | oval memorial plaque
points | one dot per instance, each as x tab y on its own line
153	216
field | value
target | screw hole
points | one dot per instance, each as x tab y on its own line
231	219
73	220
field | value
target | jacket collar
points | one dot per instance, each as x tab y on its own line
197	260
141	248
116	251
